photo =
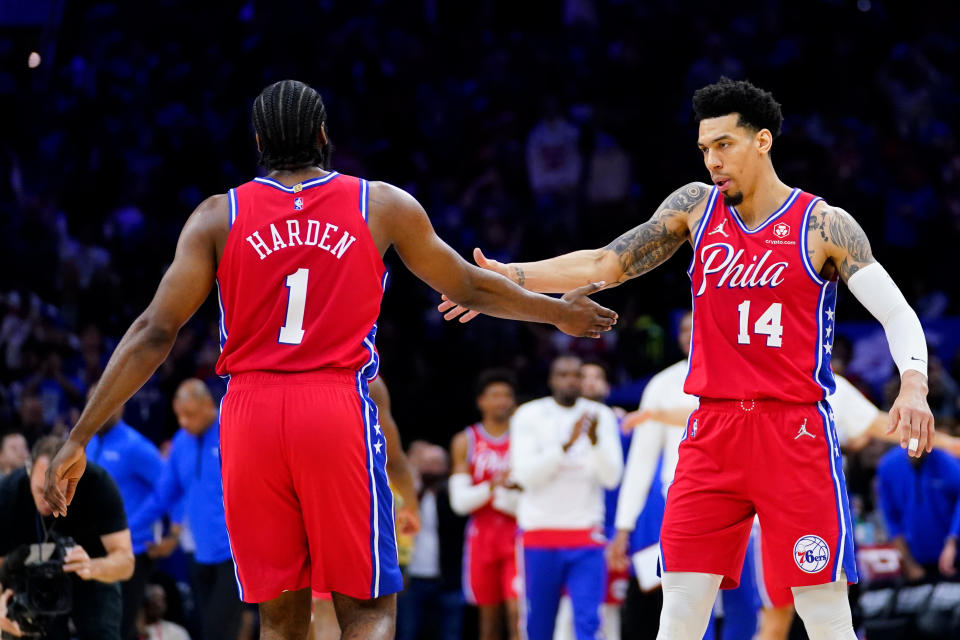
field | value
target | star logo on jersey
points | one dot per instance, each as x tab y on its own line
719	229
298	204
781	230
378	446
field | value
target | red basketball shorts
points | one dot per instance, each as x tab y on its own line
305	487
490	562
777	460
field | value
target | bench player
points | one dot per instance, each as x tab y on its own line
480	487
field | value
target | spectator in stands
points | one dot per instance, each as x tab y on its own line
13	452
920	502
432	599
154	626
192	475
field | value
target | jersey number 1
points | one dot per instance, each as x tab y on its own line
292	330
768	324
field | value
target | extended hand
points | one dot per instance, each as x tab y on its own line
164	548
78	561
452	310
584	318
408	521
617	559
635	418
63	474
948	558
912	416
6	624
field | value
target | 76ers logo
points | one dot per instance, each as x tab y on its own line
781	230
811	554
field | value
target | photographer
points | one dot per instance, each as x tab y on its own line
99	553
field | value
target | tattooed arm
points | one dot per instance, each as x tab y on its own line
632	254
845	245
840	239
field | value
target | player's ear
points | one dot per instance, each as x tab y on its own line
322	136
259	148
764	140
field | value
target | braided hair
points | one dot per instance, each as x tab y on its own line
288	117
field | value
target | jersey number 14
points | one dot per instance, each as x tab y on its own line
768	324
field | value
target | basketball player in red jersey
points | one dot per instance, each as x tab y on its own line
766	258
480	488
297	259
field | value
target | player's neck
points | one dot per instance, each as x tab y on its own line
289	177
765	198
496	427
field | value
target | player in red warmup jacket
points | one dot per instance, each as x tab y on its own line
297	260
766	260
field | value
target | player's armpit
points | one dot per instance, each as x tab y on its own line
651	243
843	239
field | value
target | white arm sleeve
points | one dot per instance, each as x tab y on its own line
645	449
876	291
466	497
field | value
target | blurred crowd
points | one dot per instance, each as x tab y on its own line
526	130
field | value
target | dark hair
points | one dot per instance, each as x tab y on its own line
288	117
47	446
496	376
757	108
596	362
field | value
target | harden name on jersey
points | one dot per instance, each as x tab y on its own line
327	240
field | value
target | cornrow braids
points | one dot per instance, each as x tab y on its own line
288	117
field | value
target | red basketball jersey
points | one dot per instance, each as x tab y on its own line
763	318
488	457
301	280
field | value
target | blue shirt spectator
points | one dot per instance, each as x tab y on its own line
135	465
920	501
190	488
192	474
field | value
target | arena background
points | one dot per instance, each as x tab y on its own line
138	111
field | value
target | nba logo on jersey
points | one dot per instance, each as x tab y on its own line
781	230
811	554
298	204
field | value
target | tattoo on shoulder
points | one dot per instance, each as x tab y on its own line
840	229
651	243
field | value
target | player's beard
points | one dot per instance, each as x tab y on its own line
732	199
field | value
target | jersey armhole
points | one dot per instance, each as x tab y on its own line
701	226
804	255
364	199
232	215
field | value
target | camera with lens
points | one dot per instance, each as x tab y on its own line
43	592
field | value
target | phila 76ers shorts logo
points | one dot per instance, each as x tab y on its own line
811	554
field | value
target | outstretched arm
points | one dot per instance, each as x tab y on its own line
632	254
146	343
847	246
398	219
